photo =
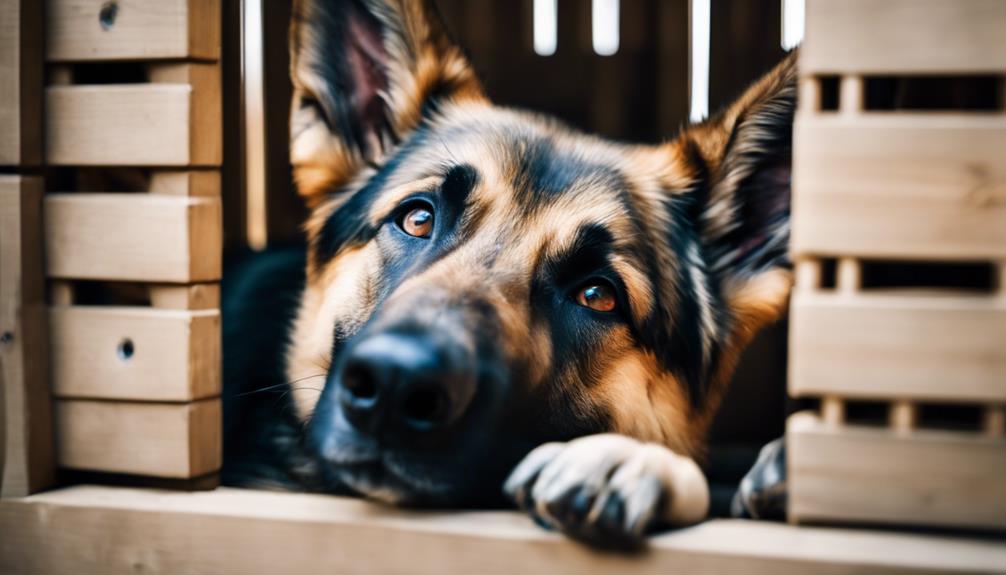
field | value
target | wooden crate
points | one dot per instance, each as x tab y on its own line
21	88
876	188
136	383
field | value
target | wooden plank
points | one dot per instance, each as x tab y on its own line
119	530
203	183
193	296
877	475
900	185
179	440
174	122
135	353
939	348
897	36
139	237
21	89
26	450
94	30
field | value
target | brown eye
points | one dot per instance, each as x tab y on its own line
598	297
417	222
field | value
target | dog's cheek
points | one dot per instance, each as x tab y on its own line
646	402
339	300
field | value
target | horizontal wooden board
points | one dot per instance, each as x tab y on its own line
111	530
21	85
874	475
904	36
26	449
938	348
174	121
90	30
135	353
900	185
177	440
138	237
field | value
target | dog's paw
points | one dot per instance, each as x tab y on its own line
609	490
762	492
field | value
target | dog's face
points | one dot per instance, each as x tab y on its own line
481	280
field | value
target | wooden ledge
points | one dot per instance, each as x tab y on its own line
87	529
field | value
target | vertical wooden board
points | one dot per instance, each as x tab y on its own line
862	474
26	458
174	121
139	237
156	439
203	183
96	30
135	353
900	36
939	348
902	185
21	86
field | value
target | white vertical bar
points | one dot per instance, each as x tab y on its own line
699	68
545	27
792	23
604	26
253	123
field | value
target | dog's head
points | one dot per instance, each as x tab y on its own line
482	280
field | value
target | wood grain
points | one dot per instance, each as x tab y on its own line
174	121
135	353
21	88
878	475
26	452
938	348
140	30
904	36
119	530
139	237
157	439
900	186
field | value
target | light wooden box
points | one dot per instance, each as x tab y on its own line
915	187
136	388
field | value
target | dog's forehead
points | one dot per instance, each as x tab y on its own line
532	159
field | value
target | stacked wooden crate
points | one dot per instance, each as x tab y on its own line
877	191
137	386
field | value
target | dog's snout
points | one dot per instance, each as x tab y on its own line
406	383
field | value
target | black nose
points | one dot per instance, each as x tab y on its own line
406	383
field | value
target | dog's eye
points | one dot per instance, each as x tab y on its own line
597	296
417	222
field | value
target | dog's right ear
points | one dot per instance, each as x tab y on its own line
364	73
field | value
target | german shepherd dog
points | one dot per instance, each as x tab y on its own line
492	305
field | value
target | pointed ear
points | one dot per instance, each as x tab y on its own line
742	198
364	73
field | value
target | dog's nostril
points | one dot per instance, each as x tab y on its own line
359	381
425	406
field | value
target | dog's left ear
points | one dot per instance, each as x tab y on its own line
365	72
740	199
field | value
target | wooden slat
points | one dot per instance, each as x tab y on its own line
186	183
135	353
26	453
940	348
21	88
117	530
904	185
193	296
900	36
139	237
89	30
876	475
174	121
156	439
